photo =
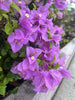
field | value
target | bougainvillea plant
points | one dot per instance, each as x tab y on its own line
34	43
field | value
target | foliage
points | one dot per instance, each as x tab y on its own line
29	43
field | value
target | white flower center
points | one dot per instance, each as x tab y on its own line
40	15
20	2
27	15
32	57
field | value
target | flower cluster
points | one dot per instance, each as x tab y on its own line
59	4
42	39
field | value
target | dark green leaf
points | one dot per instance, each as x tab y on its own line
23	48
44	2
0	57
0	17
14	24
1	76
5	16
14	91
3	52
40	62
8	28
3	11
1	69
7	46
13	5
14	55
57	66
22	54
12	76
12	11
2	89
40	55
49	34
35	7
50	44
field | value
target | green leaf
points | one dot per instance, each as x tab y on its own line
14	91
50	44
40	55
52	60
3	11
0	57
1	69
49	34
1	76
23	48
0	17
12	11
35	7
44	2
40	62
9	78
8	28
3	52
12	77
14	55
13	5
7	46
14	24
7	59
57	66
5	16
2	89
5	81
22	55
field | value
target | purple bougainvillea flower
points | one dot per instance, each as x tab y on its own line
26	25
40	2
10	1
60	4
4	4
18	69
35	17
32	54
57	38
46	80
33	36
41	38
42	27
25	14
50	26
64	72
43	10
59	30
16	40
49	55
43	89
53	78
27	66
40	84
24	21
